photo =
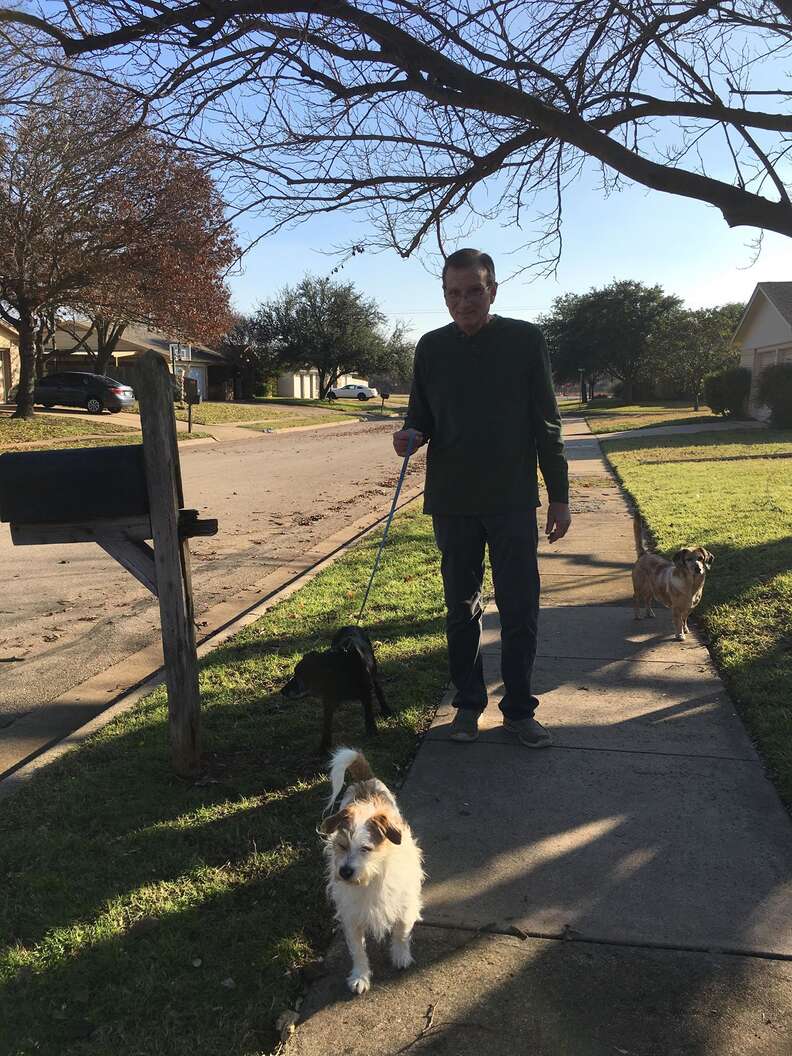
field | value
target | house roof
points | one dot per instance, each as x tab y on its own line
134	339
778	294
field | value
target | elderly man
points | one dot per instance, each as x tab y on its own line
482	396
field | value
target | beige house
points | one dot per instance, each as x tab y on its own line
764	335
9	361
304	384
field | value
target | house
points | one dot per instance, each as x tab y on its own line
210	369
304	384
9	361
764	335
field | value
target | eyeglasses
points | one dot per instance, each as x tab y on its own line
472	293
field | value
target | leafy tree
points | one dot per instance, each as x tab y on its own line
687	345
255	360
322	324
575	351
411	112
107	219
606	332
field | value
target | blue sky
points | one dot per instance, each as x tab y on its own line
683	245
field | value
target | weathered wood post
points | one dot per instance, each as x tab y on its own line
172	562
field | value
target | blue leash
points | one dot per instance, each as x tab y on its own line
387	526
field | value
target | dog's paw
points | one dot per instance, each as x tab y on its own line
680	637
359	982
401	957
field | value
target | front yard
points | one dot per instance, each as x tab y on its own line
732	493
51	431
607	416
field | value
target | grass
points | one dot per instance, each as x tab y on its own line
394	407
608	407
290	423
648	421
43	427
283	412
609	416
210	413
97	441
145	914
732	493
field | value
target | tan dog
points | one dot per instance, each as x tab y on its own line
677	584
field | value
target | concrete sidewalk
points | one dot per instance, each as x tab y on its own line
628	891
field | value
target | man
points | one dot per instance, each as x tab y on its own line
482	396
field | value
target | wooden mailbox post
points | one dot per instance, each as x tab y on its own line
119	497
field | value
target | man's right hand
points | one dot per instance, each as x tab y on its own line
401	439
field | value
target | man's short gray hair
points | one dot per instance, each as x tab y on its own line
470	258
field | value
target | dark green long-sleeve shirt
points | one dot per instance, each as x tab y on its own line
487	404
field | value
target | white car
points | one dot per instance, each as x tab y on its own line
352	392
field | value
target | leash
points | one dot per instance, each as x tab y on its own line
387	526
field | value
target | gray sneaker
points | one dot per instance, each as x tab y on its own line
465	725
529	732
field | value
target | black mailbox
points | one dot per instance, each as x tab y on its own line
191	391
73	485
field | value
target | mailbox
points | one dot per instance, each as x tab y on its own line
73	485
191	391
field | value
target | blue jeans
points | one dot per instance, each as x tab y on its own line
512	540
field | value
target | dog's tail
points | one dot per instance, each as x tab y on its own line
638	533
341	761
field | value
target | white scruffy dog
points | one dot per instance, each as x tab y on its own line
374	872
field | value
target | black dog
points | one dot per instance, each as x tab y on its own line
346	671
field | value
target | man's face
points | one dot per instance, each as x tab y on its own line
468	297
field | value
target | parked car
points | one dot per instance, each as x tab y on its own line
75	388
352	392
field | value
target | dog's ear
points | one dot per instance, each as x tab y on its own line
382	828
708	558
336	821
679	557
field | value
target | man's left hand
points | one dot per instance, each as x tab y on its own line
558	521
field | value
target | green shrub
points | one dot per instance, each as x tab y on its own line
727	391
713	393
775	390
736	389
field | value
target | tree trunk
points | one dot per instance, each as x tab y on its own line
38	340
108	335
27	366
696	400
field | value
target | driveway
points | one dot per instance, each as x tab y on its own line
69	612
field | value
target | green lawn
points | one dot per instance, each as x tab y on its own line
274	410
395	407
609	416
732	493
211	413
648	420
290	423
608	408
142	914
39	435
44	427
